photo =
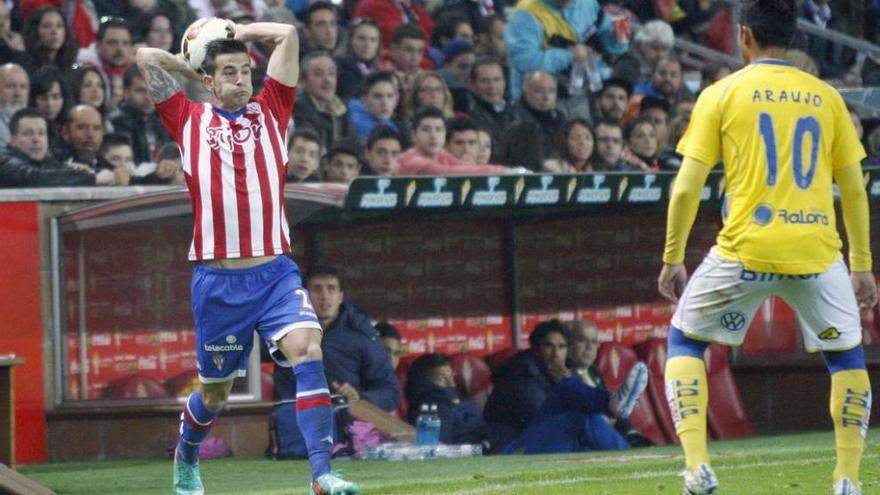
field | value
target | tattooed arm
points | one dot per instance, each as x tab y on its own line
155	65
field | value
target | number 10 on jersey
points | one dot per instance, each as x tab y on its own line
803	178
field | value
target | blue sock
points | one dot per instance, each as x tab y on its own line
196	422
314	414
681	345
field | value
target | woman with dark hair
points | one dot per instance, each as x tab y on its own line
50	96
155	31
48	40
574	148
641	138
87	87
360	58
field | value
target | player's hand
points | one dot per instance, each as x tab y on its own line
347	390
865	287
672	280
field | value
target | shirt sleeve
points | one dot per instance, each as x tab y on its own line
702	140
279	98
174	112
846	148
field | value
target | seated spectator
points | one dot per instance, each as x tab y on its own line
136	117
666	82
155	31
574	148
458	58
642	142
27	162
168	169
583	348
391	15
14	90
668	158
355	362
317	105
548	35
449	27
538	405
651	43
461	139
427	156
657	109
342	163
12	46
490	37
391	339
609	149
430	382
536	122
87	87
303	156
116	155
383	151
484	153
376	106
112	54
407	52
613	98
430	90
490	107
321	28
48	40
712	73
49	95
82	134
361	57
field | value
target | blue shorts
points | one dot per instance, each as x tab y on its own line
228	305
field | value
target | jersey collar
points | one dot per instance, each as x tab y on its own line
233	116
773	61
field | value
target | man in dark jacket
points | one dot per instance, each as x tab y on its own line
136	118
490	108
317	106
535	123
356	363
26	162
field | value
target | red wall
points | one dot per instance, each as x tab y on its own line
21	326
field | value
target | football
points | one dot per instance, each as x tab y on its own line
199	34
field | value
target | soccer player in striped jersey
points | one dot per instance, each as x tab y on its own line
783	136
234	160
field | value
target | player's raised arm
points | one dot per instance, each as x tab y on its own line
155	65
284	62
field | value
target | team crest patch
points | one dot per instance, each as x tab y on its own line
733	321
218	361
829	334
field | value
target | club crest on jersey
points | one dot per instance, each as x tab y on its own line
830	333
245	134
217	358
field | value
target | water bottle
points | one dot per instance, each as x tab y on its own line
432	429
458	451
422	426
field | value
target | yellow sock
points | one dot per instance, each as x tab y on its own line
688	397
850	410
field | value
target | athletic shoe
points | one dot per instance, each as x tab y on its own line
628	393
332	484
187	479
702	482
847	487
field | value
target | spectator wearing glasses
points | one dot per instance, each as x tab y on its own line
430	90
609	149
111	56
361	57
651	43
48	40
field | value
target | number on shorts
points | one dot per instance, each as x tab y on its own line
804	125
307	304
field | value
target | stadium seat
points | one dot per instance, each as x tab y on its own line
727	415
497	358
402	369
472	377
653	353
615	361
135	387
183	383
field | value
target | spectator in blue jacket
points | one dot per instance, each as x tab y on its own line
537	40
356	363
380	95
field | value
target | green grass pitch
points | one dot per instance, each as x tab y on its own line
797	464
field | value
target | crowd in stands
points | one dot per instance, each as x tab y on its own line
550	397
393	87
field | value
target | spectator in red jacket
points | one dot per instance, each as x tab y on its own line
390	14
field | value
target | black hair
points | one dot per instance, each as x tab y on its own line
322	5
608	123
406	31
619	83
544	328
41	83
24	113
649	102
446	25
343	147
111	23
484	24
323	271
374	78
130	74
113	139
427	113
308	134
222	46
381	132
460	124
484	61
169	151
640	120
66	55
710	71
387	330
562	149
773	22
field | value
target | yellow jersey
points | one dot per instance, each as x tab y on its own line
780	132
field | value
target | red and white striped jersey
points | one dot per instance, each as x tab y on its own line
235	166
